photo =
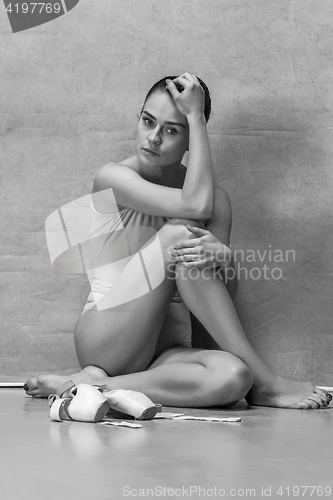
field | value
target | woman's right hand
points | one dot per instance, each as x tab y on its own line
191	100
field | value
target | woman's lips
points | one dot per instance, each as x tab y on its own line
150	152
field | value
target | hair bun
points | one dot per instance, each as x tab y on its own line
162	84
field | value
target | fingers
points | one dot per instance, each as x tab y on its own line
187	244
197	264
188	258
188	76
182	82
183	253
191	77
196	229
172	89
185	80
187	94
180	254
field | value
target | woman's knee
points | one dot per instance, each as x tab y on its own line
228	377
240	378
175	230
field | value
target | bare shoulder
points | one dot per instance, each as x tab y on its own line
106	175
107	181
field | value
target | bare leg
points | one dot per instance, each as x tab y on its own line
181	376
192	377
131	352
121	340
210	302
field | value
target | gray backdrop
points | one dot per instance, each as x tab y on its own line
70	92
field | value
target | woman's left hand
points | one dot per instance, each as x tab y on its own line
205	251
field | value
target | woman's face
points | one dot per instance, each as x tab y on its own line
162	133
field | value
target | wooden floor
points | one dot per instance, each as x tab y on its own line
270	451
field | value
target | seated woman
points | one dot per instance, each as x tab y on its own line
135	335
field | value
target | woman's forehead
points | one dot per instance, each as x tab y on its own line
162	106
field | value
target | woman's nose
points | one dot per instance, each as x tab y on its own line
154	136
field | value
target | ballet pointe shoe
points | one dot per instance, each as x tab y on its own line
133	403
88	403
82	402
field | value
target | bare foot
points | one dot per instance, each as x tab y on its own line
44	385
289	394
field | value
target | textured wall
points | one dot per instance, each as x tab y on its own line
70	91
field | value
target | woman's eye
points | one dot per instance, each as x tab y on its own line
172	131
147	121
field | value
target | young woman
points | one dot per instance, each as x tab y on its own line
160	234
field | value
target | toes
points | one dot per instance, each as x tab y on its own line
32	388
35	392
28	388
327	398
311	404
317	401
324	393
30	384
306	405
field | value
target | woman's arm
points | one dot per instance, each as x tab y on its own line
220	225
132	191
196	198
210	247
199	180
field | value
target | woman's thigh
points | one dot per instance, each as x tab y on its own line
220	365
177	328
186	354
123	338
226	376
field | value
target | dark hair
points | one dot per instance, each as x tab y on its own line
161	86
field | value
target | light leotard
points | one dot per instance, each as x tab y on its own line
112	256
